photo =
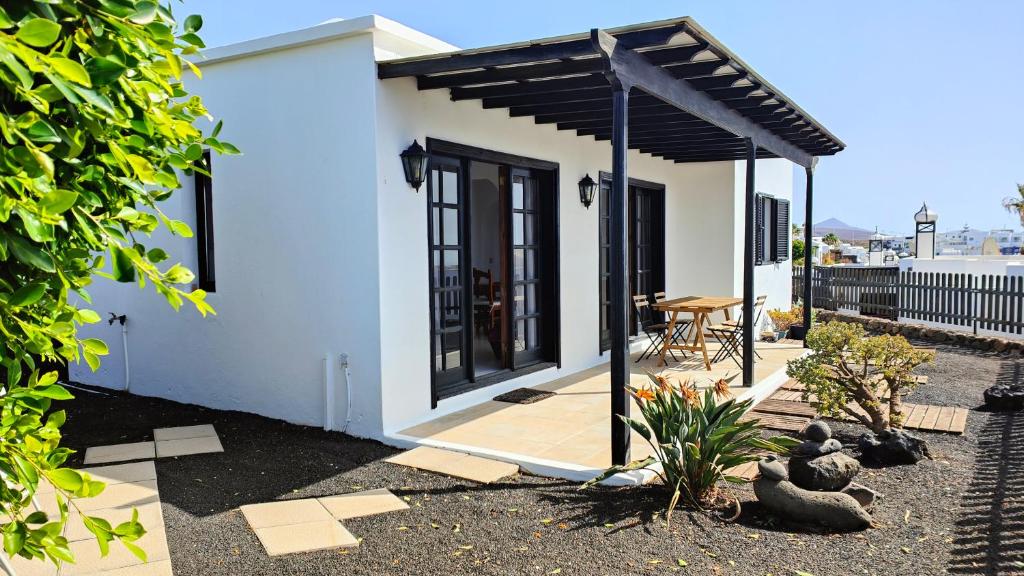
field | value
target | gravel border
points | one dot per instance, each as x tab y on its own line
961	513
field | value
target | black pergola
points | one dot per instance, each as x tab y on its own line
665	88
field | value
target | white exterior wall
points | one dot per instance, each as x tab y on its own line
703	201
296	248
321	244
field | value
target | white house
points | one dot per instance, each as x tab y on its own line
346	298
970	241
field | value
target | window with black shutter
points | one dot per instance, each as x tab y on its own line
760	219
204	225
780	247
771	229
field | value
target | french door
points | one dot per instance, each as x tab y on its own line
526	314
526	311
646	221
448	302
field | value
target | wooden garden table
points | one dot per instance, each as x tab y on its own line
701	307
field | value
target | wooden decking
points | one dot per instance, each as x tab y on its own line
787	411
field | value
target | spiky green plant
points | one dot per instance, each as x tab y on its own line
696	440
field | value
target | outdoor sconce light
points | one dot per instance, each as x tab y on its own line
875	249
414	162
587	189
924	240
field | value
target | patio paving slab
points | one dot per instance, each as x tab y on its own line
158	568
184	432
25	567
120	452
188	446
366	503
150	516
121	473
120	496
455	464
306	537
89	561
285	513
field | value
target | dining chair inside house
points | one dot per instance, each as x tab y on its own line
730	335
656	331
683	325
483	299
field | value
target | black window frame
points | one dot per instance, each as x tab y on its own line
771	236
548	172
206	273
658	267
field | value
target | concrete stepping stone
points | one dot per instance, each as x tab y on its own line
292	526
120	452
188	446
186	440
455	464
184	432
366	503
285	512
306	537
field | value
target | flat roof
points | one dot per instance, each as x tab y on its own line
562	80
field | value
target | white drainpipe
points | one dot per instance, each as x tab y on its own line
330	392
348	392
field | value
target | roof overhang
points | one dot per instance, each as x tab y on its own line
693	100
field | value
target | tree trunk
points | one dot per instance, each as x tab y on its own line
896	416
870	403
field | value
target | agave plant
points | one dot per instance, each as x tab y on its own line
695	440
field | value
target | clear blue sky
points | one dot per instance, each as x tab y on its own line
928	95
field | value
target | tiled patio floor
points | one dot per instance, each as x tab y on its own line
574	425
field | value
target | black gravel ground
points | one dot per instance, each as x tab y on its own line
962	513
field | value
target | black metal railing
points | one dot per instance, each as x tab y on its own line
971	301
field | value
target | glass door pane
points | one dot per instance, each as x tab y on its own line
447	273
526	288
604	275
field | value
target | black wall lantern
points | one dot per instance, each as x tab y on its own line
587	189
414	162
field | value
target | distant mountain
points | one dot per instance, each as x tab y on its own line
844	231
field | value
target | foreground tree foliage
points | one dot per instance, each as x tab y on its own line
96	126
847	369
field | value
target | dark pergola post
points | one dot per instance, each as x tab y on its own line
808	260
619	292
748	266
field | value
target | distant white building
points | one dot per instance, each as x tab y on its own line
969	241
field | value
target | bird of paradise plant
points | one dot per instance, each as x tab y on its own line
695	440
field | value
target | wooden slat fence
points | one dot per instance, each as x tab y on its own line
993	303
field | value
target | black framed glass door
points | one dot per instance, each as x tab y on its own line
494	277
646	220
644	252
449	317
604	273
526	290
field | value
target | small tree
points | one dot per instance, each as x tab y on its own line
96	126
798	251
1015	205
845	368
831	239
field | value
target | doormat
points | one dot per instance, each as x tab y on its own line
523	396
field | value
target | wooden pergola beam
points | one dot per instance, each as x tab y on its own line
634	69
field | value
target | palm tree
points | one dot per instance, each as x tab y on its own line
1015	205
